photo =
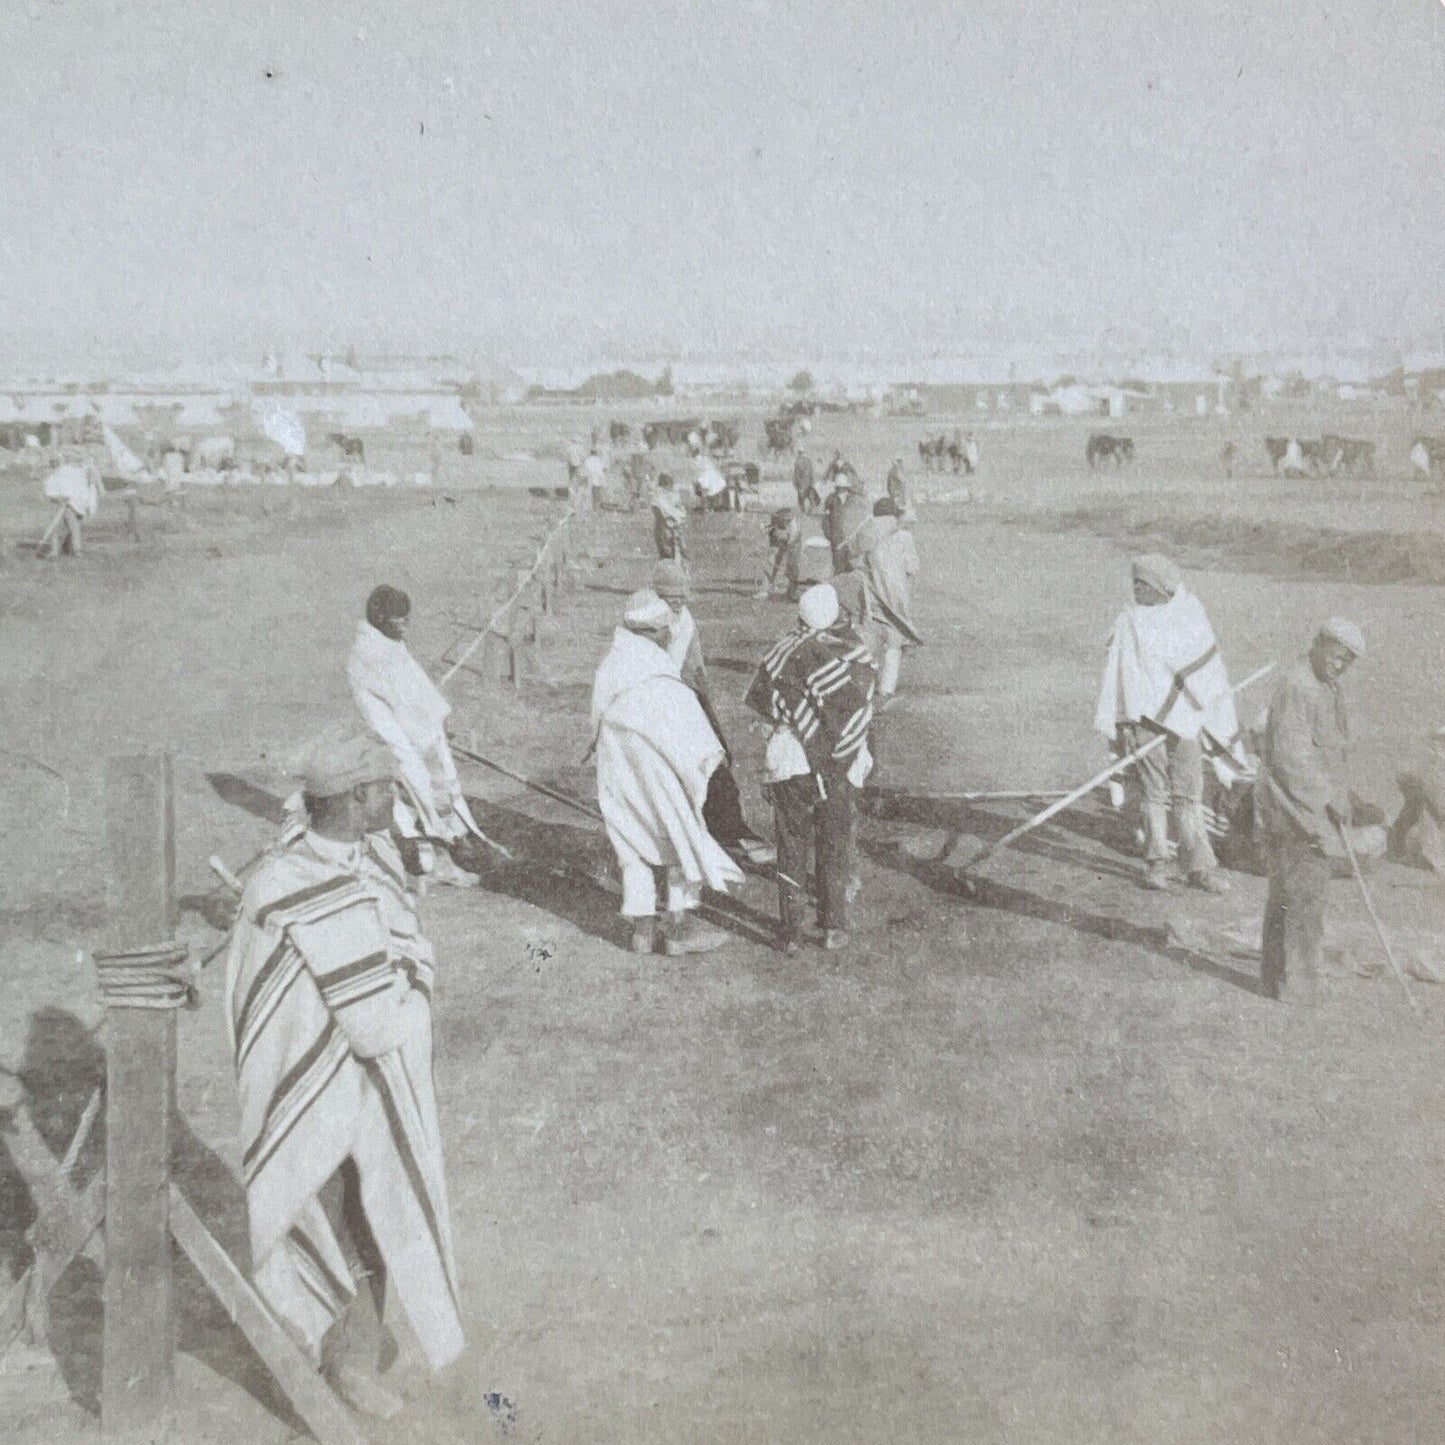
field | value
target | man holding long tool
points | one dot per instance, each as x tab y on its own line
815	687
1164	677
1304	801
656	751
405	709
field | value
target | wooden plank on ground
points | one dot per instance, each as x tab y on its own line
81	1219
314	1401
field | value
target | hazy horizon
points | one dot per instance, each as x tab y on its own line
669	178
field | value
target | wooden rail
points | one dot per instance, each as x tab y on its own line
514	622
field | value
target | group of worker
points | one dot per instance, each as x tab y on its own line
1167	705
329	975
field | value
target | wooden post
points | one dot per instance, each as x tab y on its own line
139	1338
516	641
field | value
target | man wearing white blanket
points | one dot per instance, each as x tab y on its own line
656	751
404	708
1164	676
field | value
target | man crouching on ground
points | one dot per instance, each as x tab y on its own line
656	751
328	998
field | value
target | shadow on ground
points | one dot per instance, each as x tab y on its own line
63	1065
958	818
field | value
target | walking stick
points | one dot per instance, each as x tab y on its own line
1010	795
1061	803
1073	797
1344	833
41	545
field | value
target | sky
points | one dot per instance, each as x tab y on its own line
539	181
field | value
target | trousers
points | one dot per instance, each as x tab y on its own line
1294	915
360	1336
803	812
1173	776
640	889
722	809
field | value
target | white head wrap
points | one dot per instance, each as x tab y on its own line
646	609
818	607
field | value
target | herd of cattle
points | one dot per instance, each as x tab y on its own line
1325	456
943	451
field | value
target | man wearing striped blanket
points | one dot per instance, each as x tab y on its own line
328	999
815	687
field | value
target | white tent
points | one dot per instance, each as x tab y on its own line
365	411
446	413
117	410
125	461
285	429
199	412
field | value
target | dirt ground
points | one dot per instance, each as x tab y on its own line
1037	1165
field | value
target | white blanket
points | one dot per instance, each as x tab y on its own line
78	487
404	708
1163	666
656	751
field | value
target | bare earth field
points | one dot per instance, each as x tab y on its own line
1035	1166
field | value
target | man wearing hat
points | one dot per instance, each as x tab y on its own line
845	511
1163	676
785	537
656	754
723	809
1304	801
406	710
328	1002
815	688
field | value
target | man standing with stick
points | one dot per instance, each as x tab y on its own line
656	751
815	687
1304	802
1163	676
406	710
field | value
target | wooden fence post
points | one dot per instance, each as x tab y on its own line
139	1331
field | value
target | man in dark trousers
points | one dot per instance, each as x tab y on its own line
1304	800
815	687
805	484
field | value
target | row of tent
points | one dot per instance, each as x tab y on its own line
191	411
287	432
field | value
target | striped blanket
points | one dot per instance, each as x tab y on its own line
820	684
328	1000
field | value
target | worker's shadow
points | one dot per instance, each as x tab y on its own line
728	587
62	1067
959	818
240	793
560	868
986	892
